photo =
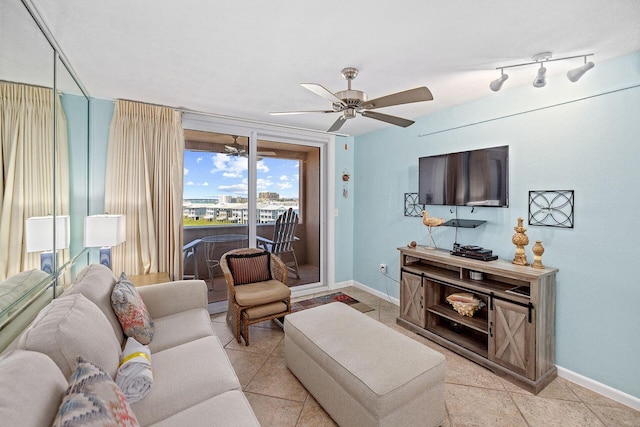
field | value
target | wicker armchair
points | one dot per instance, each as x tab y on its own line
257	290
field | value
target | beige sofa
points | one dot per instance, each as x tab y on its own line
194	383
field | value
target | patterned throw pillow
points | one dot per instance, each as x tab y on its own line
131	311
250	268
93	399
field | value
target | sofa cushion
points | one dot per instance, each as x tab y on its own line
32	388
228	409
18	285
70	327
131	311
96	283
184	376
249	268
180	328
93	399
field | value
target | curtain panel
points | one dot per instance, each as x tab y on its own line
28	179
145	168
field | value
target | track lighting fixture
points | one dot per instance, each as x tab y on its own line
496	85
541	80
575	74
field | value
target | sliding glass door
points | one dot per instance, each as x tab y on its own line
240	185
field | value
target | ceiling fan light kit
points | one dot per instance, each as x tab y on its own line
351	102
540	80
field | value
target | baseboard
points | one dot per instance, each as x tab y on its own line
595	386
375	292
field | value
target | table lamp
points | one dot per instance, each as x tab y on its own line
39	237
105	231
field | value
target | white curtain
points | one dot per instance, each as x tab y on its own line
145	167
27	181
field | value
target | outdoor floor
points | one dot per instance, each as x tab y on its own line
474	396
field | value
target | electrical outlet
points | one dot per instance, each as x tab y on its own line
383	268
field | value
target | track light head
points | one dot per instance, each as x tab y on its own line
575	74
541	79
496	85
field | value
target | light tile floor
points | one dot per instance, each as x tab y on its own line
474	396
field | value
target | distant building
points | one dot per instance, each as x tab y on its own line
266	195
236	213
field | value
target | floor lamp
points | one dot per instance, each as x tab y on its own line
40	238
104	231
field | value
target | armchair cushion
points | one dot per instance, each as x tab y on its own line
131	311
249	268
262	293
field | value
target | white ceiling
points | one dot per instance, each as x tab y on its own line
247	58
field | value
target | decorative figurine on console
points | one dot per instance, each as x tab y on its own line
430	222
521	240
538	250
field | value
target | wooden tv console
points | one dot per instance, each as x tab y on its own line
513	334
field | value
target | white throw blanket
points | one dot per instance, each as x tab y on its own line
134	375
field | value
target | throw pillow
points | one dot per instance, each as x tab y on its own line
249	268
93	399
131	311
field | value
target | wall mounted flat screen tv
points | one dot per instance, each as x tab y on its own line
468	178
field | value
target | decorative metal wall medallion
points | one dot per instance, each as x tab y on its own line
411	205
551	208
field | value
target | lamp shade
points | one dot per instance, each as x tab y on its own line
39	233
104	230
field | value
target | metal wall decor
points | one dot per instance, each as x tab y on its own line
411	205
551	208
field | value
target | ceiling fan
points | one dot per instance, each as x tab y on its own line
237	150
351	102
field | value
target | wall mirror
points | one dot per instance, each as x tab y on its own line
44	148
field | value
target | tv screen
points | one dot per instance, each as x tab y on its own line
468	178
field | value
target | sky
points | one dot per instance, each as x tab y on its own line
209	175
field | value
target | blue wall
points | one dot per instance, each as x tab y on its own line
76	109
344	152
581	136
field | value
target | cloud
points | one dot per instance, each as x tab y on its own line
186	171
284	178
238	189
284	185
199	159
261	167
189	183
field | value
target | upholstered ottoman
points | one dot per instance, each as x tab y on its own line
362	372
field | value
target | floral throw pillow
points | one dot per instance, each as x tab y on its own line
131	311
93	399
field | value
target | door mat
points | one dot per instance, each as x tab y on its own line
326	299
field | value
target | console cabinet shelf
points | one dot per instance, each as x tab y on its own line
513	333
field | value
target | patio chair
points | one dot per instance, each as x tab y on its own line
283	238
256	282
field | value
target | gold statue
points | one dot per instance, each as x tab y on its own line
521	240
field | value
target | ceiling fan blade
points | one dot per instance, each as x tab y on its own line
323	92
283	113
337	124
231	149
398	121
418	94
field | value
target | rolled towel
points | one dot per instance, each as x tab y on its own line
134	375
